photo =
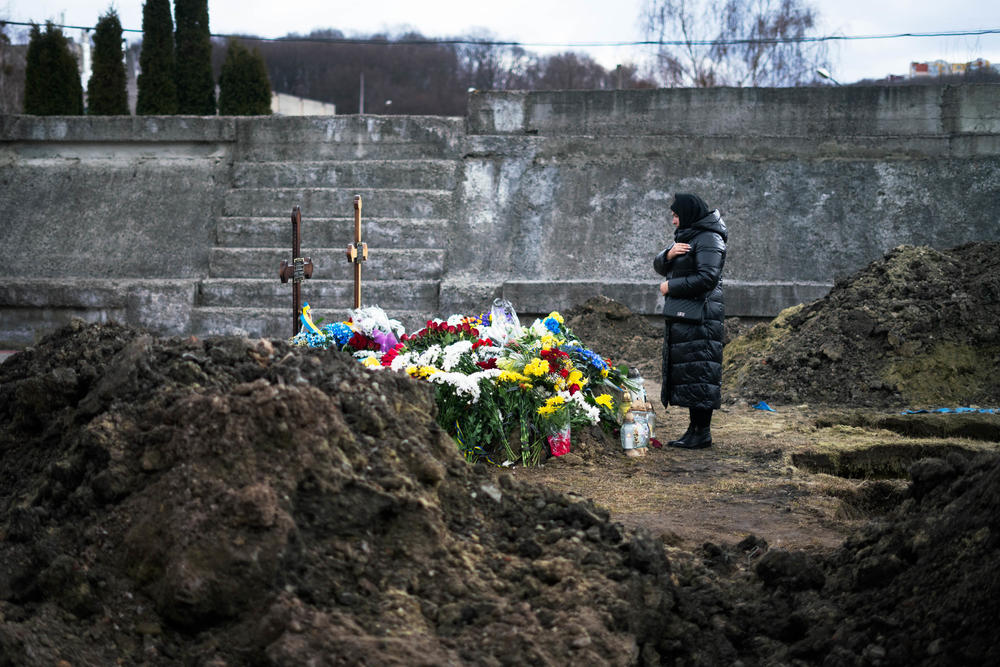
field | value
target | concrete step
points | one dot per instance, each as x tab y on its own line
272	293
415	174
349	137
328	263
331	232
277	322
316	202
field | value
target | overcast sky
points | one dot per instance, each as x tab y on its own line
535	22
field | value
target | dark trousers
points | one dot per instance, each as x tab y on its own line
701	417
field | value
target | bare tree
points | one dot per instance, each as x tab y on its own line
492	66
734	42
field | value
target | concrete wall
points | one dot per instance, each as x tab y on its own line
570	187
554	196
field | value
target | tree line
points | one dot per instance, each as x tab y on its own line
412	74
701	43
176	76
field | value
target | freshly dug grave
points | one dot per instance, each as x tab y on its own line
228	501
916	587
916	328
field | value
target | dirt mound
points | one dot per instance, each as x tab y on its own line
615	332
916	328
228	501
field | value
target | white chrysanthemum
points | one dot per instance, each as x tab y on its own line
428	357
454	352
539	329
402	361
578	401
465	385
487	352
460	381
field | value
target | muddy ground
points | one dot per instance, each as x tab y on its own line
231	502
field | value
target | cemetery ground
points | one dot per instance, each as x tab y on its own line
234	501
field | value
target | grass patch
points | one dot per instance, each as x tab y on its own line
946	376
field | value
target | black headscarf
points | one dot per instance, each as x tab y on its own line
689	209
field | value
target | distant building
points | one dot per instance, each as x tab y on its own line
283	104
945	68
12	63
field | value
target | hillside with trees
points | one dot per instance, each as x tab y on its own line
413	74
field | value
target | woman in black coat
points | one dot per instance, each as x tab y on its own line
692	352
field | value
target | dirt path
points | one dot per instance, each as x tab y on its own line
760	477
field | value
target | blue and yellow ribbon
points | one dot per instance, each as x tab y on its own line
307	320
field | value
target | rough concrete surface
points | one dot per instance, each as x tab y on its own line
543	197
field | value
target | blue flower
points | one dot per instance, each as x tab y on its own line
552	324
340	332
589	356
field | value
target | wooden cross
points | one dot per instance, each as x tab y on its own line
357	252
300	268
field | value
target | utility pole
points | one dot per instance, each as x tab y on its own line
361	102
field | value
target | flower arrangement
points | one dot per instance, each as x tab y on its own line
503	391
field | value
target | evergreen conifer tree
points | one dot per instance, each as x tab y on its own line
157	86
193	44
52	77
244	88
106	95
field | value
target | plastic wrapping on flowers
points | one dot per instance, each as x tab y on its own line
501	389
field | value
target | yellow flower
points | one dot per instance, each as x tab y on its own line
411	371
606	401
427	371
512	376
371	362
604	372
537	367
576	377
505	364
546	410
549	341
555	401
556	316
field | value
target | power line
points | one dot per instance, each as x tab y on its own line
569	45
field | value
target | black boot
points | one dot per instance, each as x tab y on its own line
684	438
700	437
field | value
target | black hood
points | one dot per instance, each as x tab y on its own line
689	209
710	223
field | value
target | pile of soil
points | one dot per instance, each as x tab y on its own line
617	333
229	501
916	328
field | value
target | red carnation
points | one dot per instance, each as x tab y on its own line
573	388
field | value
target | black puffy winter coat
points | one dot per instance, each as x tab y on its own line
692	353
